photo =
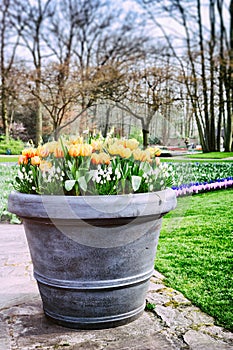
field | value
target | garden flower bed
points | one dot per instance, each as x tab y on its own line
189	178
7	173
192	178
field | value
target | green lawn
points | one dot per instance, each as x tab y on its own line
9	159
186	159
211	155
195	252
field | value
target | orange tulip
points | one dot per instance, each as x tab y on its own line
29	152
22	160
86	150
74	150
100	158
157	151
106	158
58	152
43	151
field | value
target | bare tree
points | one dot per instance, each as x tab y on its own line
229	88
93	53
34	15
9	41
201	41
147	94
63	99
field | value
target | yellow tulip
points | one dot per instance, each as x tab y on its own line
154	151
51	146
124	152
45	166
97	145
132	144
142	156
113	149
35	160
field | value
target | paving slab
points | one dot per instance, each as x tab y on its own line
174	323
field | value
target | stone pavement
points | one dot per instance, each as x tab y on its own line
174	323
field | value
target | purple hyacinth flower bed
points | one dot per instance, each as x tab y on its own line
193	178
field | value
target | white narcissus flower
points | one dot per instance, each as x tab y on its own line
117	173
20	175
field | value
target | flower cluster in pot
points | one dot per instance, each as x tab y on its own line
72	166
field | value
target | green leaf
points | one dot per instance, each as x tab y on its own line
70	164
136	182
15	220
89	175
69	184
82	183
145	167
81	172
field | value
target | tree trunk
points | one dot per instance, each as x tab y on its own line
145	134
107	122
212	80
56	131
38	123
5	112
3	75
222	76
229	123
209	130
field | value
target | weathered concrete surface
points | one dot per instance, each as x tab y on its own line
174	324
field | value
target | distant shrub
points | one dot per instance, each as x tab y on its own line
154	140
136	133
11	146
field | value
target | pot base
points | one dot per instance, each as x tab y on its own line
95	323
94	308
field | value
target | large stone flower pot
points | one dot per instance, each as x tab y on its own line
93	256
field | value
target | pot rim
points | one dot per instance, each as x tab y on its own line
92	207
